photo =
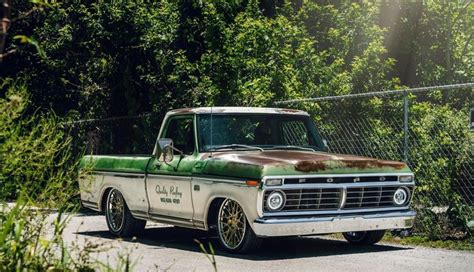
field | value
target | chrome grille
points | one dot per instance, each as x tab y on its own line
312	199
370	197
324	199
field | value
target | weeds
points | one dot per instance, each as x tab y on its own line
416	240
38	170
209	255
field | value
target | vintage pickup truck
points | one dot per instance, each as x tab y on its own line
247	174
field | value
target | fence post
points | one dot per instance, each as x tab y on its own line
405	127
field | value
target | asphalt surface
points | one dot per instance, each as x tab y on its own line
167	248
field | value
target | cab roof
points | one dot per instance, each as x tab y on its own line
219	110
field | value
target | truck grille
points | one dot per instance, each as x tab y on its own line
369	197
311	199
324	199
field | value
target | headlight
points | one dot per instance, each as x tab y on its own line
275	201
274	182
405	178
400	197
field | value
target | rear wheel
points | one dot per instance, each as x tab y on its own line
119	219
234	232
364	237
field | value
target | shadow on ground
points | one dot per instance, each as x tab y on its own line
272	249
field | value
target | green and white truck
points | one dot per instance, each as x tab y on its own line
248	173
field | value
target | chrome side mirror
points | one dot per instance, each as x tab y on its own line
326	146
164	150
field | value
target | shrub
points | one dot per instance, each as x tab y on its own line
35	151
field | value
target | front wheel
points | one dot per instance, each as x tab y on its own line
234	231
119	219
364	237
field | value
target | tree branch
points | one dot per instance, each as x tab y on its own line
7	54
5	22
24	15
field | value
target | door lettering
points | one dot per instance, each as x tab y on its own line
169	194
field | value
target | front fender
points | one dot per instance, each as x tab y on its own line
209	190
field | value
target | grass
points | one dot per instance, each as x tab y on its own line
415	240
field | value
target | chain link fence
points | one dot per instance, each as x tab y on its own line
428	129
118	135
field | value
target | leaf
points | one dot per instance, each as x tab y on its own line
28	40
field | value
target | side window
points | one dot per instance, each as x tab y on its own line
295	133
181	131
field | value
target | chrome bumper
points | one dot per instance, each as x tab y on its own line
342	223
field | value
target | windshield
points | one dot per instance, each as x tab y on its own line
265	131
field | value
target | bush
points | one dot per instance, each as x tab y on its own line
38	169
35	152
441	155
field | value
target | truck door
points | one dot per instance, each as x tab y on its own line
169	184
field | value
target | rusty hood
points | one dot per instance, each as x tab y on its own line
257	164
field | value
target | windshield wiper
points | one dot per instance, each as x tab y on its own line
234	146
292	147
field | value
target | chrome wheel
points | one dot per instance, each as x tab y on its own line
115	210
231	224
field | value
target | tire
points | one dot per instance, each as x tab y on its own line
120	221
233	230
364	237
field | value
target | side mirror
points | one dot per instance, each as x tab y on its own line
326	146
164	150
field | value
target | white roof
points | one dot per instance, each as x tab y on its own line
217	110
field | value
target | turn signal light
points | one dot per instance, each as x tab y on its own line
252	183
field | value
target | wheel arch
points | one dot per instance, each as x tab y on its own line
212	211
213	208
103	196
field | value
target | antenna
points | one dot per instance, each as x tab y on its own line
211	132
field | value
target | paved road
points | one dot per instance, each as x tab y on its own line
166	248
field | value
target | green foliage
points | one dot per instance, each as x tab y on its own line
446	47
142	57
415	240
35	152
441	158
23	246
431	40
209	255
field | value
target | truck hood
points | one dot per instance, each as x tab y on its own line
257	164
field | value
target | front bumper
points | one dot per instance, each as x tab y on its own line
332	224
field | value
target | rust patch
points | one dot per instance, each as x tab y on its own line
363	164
301	161
309	166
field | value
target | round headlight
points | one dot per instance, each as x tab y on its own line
275	201
400	196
